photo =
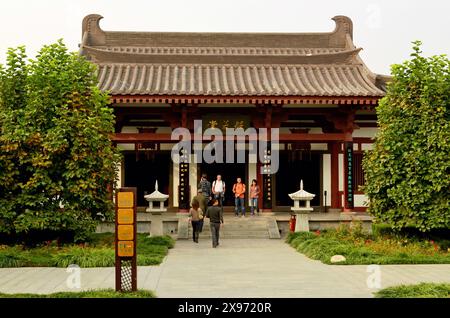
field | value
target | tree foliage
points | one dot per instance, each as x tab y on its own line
56	158
408	170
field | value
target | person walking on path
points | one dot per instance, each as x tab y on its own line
239	196
215	215
203	203
195	215
218	189
254	195
205	186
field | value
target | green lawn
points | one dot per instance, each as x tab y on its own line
361	248
101	293
98	252
423	290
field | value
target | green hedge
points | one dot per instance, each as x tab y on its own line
99	252
423	290
101	293
362	248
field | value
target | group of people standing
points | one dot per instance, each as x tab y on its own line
209	203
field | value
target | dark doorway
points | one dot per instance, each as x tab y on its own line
143	173
229	173
293	168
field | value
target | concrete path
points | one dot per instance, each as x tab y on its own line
237	268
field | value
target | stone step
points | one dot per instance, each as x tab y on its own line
234	233
208	232
257	237
227	227
235	227
242	224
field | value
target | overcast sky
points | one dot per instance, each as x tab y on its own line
383	28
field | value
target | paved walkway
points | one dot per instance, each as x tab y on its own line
237	268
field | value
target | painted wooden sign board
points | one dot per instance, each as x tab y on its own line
125	232
125	199
125	216
126	240
125	248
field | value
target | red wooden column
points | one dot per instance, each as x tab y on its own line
335	198
259	179
258	119
344	121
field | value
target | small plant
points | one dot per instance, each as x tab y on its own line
85	257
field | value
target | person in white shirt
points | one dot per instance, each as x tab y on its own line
218	189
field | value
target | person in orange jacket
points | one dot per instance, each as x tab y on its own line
239	197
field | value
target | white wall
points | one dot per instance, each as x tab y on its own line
365	132
319	146
326	178
123	147
366	147
359	200
130	130
341	171
193	182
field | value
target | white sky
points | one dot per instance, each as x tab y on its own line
383	28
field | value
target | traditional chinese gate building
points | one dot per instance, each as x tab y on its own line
314	87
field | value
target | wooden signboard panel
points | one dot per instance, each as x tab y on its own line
125	199
125	261
125	216
125	232
125	248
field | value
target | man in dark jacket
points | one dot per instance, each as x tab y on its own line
215	215
203	203
205	185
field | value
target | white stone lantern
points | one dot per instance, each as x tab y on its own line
156	196
301	211
156	226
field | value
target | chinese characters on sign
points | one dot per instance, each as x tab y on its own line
267	181
349	167
183	189
226	123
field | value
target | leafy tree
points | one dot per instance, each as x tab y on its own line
408	170
56	159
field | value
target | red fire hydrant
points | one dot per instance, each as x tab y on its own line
292	223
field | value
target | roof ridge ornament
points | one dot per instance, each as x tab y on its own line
343	25
91	27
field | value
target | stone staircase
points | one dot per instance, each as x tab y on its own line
256	227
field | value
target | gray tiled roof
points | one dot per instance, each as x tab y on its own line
229	64
239	79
